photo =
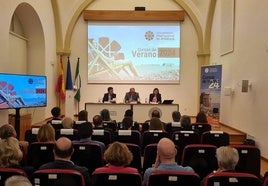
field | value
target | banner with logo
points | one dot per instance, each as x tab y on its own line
211	77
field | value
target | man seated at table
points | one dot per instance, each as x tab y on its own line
110	96
132	96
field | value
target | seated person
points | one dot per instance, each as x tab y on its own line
17	180
175	125
117	156
56	114
186	123
155	97
176	116
85	131
46	133
110	96
156	124
201	117
67	123
63	151
155	118
132	96
227	158
11	155
83	115
128	121
6	131
165	159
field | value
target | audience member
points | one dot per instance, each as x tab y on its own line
128	113
11	155
156	124
110	96
56	114
97	122
10	152
176	116
227	158
155	97
85	131
165	159
127	123
105	114
201	117
67	123
17	180
156	114
83	115
63	151
7	131
186	122
117	156
46	133
132	96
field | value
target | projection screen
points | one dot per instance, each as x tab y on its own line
134	52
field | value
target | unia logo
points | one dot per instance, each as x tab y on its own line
149	35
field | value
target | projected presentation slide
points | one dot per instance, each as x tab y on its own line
140	52
21	91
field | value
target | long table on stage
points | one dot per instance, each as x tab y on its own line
141	112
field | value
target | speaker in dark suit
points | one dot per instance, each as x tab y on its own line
155	97
109	96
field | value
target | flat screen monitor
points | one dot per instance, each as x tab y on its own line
22	91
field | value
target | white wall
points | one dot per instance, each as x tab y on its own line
185	94
245	111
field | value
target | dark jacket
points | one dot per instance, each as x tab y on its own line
106	97
158	96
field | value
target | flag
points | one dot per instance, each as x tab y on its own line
77	70
60	87
69	81
77	96
77	78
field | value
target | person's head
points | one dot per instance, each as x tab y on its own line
118	154
110	90
17	180
63	148
201	117
97	121
67	123
132	90
105	114
166	150
85	130
128	113
55	111
10	151
227	157
127	123
155	114
6	131
83	115
185	122
156	91
156	124
176	116
46	133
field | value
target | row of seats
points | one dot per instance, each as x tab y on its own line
180	138
156	178
201	157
